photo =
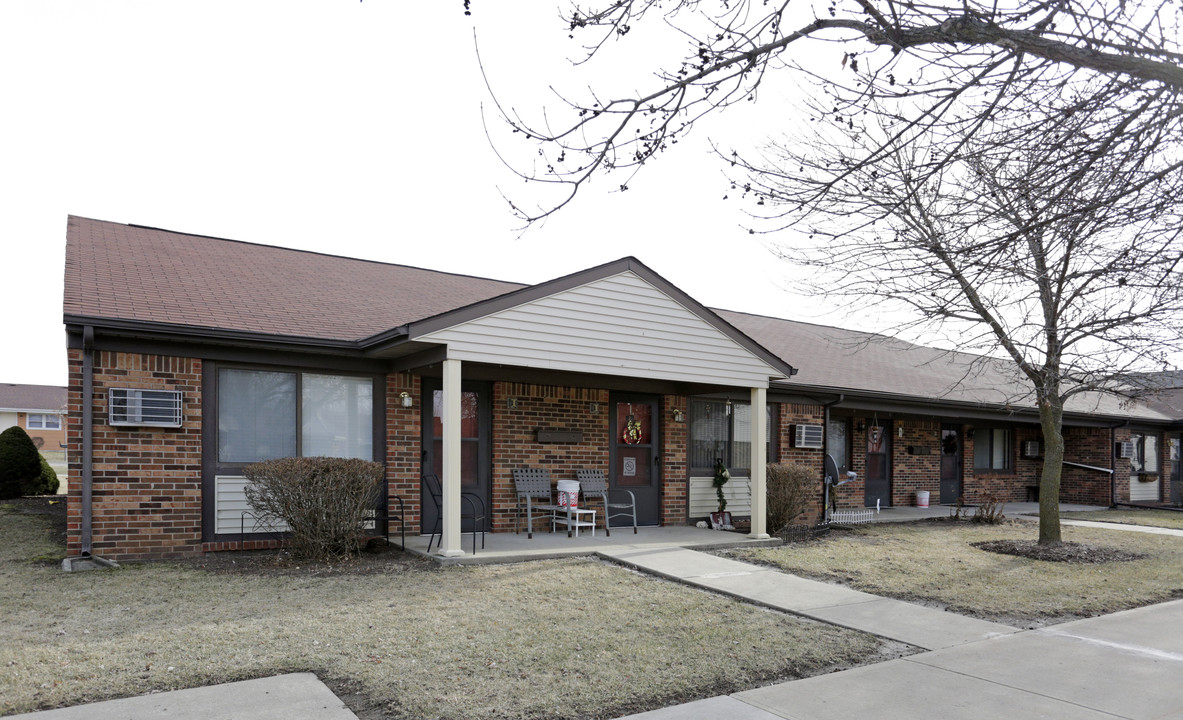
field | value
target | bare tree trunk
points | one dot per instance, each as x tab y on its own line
1051	418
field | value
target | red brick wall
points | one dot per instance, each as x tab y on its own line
147	481
1121	467
403	447
791	415
675	462
915	471
515	442
1088	446
1004	486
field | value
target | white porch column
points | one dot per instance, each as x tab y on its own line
450	482
759	463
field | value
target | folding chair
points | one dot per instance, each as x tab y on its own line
592	484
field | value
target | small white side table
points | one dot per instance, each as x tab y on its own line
573	519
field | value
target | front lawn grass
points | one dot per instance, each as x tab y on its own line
935	563
548	639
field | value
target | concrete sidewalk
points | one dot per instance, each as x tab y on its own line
917	625
1125	665
298	696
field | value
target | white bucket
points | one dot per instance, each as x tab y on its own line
921	498
568	493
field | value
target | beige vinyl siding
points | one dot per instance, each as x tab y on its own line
704	501
230	504
619	325
1143	491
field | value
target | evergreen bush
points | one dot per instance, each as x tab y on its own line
20	463
47	481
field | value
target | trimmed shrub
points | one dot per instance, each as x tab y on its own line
20	463
324	501
48	482
790	490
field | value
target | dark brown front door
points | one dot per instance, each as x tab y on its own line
475	465
635	452
950	464
878	481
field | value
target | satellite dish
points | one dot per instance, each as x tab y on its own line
831	469
832	473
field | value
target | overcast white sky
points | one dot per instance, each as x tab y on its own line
338	126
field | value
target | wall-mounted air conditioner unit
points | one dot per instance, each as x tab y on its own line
1030	448
808	436
1124	449
144	408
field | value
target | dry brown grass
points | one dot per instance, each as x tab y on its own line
934	562
555	639
1131	516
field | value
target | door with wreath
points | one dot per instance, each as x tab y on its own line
635	452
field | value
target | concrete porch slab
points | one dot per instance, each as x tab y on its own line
516	547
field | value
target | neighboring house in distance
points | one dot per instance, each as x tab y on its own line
191	357
39	409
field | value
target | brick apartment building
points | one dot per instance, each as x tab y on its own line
191	357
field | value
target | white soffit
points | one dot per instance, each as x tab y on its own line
619	325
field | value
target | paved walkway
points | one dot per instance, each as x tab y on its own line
298	696
1125	665
913	624
1118	526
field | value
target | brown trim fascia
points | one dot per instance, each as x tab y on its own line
308	358
423	358
479	372
969	411
193	333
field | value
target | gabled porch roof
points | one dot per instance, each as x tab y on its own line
618	319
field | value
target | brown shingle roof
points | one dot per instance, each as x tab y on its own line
838	360
125	272
48	398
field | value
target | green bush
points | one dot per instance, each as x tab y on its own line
324	501
791	489
20	463
47	481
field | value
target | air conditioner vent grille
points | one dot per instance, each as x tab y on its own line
808	436
144	408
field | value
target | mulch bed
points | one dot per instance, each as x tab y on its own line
377	558
1065	552
53	507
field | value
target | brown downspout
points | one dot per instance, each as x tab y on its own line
87	436
1113	461
825	451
